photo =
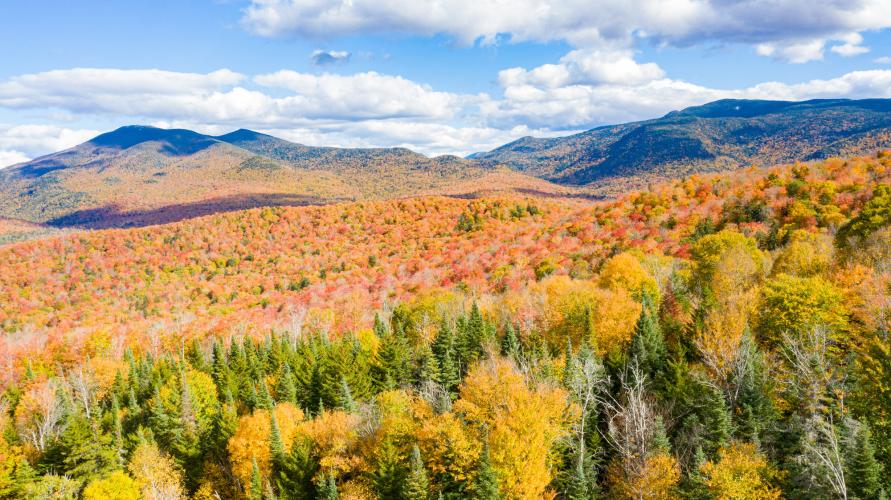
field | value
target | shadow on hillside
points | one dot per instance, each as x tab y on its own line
111	216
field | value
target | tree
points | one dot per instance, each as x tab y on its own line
510	344
873	216
416	485
864	471
285	390
155	473
741	473
791	304
485	483
255	491
327	488
648	350
115	486
251	440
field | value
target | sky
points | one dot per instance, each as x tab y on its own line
437	76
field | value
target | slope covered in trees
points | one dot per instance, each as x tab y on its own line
138	176
718	136
714	337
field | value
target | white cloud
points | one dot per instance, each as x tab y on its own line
882	60
33	140
585	66
584	89
9	158
789	29
362	95
325	57
851	47
574	106
795	52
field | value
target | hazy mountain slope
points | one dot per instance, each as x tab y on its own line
717	136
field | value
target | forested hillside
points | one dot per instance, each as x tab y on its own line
717	136
712	337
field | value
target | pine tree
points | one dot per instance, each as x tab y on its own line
416	485
510	345
264	399
864	472
389	473
661	444
485	484
256	492
444	350
380	329
285	390
327	488
648	348
391	366
346	397
426	366
118	430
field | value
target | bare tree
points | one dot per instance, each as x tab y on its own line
631	422
45	412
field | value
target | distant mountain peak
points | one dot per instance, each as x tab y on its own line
242	135
175	142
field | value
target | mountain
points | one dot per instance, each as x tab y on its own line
138	175
717	136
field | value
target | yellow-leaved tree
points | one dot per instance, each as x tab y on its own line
521	420
115	486
251	439
740	473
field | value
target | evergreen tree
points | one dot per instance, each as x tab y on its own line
648	348
392	366
510	344
864	472
444	350
87	451
256	492
485	484
346	397
389	473
264	400
327	488
426	366
416	485
118	430
285	390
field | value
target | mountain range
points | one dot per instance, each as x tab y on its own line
718	136
139	175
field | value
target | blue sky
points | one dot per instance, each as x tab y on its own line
446	76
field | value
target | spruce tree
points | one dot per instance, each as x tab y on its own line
510	345
391	366
648	348
444	350
256	492
485	484
347	403
285	390
389	474
864	472
118	430
327	488
426	366
416	485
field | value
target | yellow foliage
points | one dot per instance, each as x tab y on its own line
741	473
522	422
656	480
251	439
115	486
806	254
156	473
790	304
449	448
334	436
624	271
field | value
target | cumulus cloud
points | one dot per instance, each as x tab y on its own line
585	88
790	29
20	143
325	57
9	158
851	47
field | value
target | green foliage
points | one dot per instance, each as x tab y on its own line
874	215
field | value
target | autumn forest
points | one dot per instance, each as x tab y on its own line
720	336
